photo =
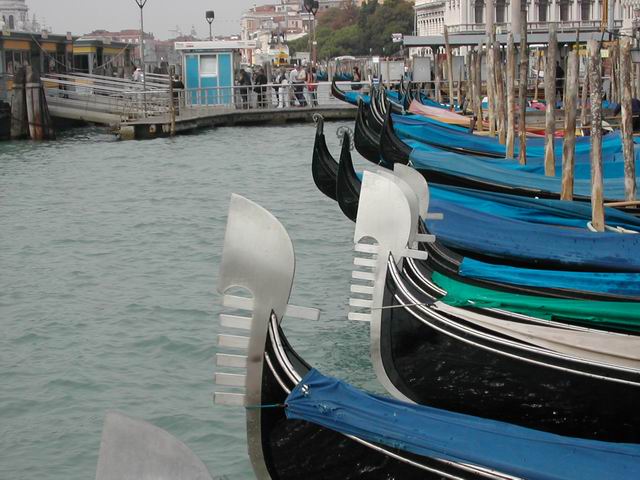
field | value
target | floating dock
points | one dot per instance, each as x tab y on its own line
195	119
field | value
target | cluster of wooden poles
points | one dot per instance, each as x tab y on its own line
502	86
29	111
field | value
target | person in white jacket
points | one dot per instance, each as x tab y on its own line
283	89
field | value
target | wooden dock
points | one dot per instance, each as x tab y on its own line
198	118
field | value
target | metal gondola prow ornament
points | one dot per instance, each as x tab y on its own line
386	227
258	258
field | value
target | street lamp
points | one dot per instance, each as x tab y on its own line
312	7
210	16
141	4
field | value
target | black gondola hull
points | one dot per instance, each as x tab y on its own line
459	368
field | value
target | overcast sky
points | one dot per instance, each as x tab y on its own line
160	16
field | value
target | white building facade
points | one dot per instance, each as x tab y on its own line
462	16
14	16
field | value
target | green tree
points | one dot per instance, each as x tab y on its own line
357	31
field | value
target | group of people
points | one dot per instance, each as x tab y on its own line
288	87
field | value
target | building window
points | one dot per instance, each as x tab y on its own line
501	8
585	10
564	10
542	10
479	11
15	59
12	24
208	65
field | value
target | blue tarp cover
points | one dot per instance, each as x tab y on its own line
491	172
531	210
353	96
505	238
424	129
452	436
625	284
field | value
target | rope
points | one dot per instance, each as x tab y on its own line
268	405
402	305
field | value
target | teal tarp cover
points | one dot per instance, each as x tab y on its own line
452	436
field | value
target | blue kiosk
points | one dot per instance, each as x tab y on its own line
208	69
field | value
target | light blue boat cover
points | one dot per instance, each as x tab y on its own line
492	172
530	210
436	433
624	284
428	130
506	240
353	96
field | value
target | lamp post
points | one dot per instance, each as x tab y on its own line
141	4
210	16
312	7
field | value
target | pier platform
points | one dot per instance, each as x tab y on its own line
191	119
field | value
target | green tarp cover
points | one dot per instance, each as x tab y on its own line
619	315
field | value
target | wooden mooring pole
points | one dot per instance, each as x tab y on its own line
478	81
627	122
500	93
584	102
550	99
436	65
449	68
522	92
491	86
40	127
19	121
469	98
511	97
595	83
569	145
172	101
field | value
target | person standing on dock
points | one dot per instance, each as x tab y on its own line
243	80
282	82
312	86
357	79
260	89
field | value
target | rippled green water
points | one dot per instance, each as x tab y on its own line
109	254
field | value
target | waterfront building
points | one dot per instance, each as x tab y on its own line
472	16
14	16
44	52
102	57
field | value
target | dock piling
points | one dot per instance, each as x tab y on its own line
19	121
511	98
627	122
569	144
522	92
449	68
595	83
550	99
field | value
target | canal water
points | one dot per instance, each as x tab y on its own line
109	253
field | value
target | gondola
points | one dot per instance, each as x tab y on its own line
473	173
301	424
429	353
366	141
323	167
561	283
556	247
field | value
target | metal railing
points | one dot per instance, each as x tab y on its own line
533	27
267	96
113	101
